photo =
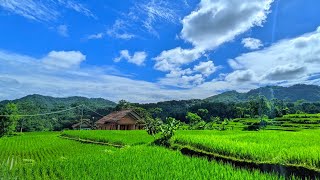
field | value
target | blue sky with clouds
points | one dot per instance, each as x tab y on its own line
155	50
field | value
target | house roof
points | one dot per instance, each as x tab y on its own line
118	115
85	123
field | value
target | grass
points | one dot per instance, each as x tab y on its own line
112	137
46	156
299	148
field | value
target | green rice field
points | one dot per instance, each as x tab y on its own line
47	156
280	147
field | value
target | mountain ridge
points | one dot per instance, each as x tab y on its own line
309	93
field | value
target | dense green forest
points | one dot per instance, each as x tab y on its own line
309	93
268	102
37	104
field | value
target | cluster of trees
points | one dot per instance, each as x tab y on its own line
199	114
194	114
8	119
37	104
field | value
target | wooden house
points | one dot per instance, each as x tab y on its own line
83	125
121	120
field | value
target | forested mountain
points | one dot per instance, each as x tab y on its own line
308	93
38	104
276	100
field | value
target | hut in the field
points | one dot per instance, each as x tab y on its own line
83	125
121	120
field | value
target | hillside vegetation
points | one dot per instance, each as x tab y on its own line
308	93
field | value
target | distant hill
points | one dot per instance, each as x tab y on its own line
309	93
51	102
38	104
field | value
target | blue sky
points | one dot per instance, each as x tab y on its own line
155	50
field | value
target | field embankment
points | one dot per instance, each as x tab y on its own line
277	151
120	138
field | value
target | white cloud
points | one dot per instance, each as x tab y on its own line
218	21
241	76
285	72
182	81
144	17
119	30
287	61
205	68
138	58
17	81
63	30
80	8
95	36
213	23
189	78
154	11
64	59
252	43
43	11
174	58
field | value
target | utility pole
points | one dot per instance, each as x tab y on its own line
81	117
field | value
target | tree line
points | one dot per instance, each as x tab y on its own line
197	113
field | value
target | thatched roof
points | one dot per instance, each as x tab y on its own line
85	123
118	115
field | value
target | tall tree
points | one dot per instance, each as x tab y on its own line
8	122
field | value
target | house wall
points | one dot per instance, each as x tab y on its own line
125	123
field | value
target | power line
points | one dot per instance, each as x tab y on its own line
42	114
56	112
93	111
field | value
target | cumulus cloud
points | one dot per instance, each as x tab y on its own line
218	21
286	72
182	80
213	23
188	78
137	58
252	43
17	81
241	76
64	59
43	11
205	68
172	59
289	60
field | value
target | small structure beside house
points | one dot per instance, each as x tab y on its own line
84	125
121	120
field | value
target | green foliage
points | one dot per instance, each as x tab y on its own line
8	122
35	104
310	93
155	112
203	113
123	104
168	129
153	126
193	118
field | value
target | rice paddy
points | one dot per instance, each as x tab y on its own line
279	147
47	156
